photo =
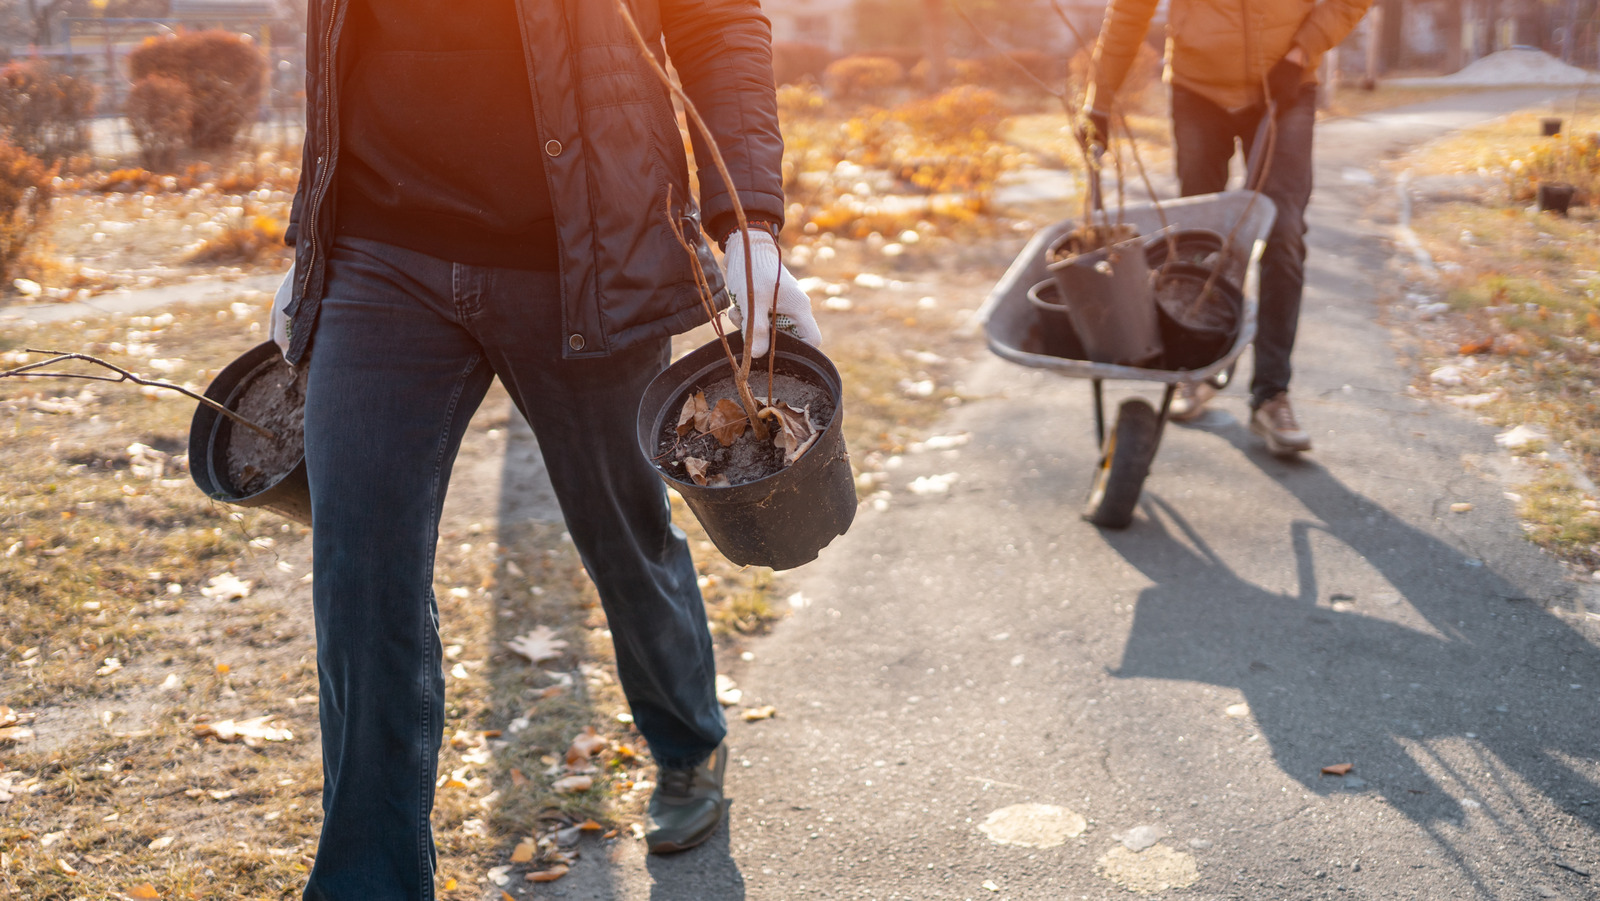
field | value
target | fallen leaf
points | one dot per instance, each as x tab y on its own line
610	834
449	885
517	777
144	891
500	875
539	645
728	694
590	826
524	850
227	587
587	744
760	713
550	875
8	717
223	794
571	785
1480	346
65	867
1338	769
989	884
16	734
695	414
161	842
112	664
727	422
1462	507
696	468
252	731
795	432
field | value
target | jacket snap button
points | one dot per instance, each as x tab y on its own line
552	147
576	341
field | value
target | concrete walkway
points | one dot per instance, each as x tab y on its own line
1168	696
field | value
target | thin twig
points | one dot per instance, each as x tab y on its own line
27	371
742	374
1150	188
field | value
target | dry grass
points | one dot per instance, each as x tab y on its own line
1523	326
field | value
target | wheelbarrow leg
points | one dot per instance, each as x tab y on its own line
1099	413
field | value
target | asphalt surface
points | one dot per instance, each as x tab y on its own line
1185	681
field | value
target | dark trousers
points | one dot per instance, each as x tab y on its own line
406	348
1203	134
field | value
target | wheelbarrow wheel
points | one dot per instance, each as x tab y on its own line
1124	463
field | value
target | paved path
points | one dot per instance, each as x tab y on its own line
962	654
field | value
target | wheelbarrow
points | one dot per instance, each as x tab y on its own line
1129	445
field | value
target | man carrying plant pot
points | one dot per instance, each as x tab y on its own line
1230	62
498	189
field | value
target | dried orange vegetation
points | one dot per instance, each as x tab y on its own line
1516	335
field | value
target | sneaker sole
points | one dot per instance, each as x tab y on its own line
699	838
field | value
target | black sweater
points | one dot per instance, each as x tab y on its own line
438	149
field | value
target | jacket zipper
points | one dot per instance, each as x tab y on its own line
325	160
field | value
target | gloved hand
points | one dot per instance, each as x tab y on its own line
1095	130
1284	80
794	307
278	320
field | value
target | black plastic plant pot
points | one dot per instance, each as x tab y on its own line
1196	330
1550	126
1556	197
1107	295
1200	246
211	435
782	520
1057	338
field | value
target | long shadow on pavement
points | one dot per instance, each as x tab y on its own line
1487	708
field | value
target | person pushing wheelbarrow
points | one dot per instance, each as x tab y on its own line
1231	63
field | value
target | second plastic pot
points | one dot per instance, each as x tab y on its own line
784	519
1107	295
1196	330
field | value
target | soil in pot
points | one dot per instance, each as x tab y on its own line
274	398
748	458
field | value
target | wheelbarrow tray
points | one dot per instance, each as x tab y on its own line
1129	445
1007	315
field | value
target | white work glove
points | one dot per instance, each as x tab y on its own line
278	320
794	307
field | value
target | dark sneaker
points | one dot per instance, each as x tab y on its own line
1274	421
687	805
1189	401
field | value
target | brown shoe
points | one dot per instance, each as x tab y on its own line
1189	401
1274	421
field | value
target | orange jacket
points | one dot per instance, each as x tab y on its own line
1220	49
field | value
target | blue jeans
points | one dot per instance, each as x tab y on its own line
405	349
1203	135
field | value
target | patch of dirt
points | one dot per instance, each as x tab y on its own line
274	398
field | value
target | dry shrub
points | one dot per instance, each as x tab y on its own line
863	78
223	73
162	115
43	109
907	57
256	236
1573	159
1022	70
959	114
795	62
25	190
800	101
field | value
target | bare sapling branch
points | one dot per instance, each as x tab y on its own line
742	374
30	370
